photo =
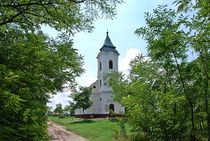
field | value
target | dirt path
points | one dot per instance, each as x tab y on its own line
59	133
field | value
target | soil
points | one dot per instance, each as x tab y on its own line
59	133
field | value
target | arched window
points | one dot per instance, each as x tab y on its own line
111	107
110	64
100	66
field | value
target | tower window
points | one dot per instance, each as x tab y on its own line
110	64
100	66
100	82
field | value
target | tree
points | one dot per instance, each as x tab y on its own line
59	110
167	93
198	41
50	110
119	83
32	65
70	109
168	44
82	98
70	15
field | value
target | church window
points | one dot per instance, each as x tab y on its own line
110	64
100	66
94	87
100	99
111	108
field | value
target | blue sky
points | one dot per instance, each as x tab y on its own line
121	31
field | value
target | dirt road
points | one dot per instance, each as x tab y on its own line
59	133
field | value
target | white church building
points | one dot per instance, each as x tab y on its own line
101	96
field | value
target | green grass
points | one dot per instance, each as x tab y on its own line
94	130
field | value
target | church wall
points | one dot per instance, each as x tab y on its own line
101	104
106	100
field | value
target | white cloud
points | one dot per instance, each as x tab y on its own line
86	80
124	61
61	97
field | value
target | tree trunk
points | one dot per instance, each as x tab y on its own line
204	62
192	121
188	97
208	117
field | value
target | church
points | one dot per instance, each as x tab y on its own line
101	94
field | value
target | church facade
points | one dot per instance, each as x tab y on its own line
102	96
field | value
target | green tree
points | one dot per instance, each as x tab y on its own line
166	46
166	93
119	83
49	110
59	110
82	98
70	15
70	109
32	65
198	41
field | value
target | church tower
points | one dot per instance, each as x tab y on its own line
107	62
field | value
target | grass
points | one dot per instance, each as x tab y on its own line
93	130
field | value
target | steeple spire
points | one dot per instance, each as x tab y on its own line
108	41
108	46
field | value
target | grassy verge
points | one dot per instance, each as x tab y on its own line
94	130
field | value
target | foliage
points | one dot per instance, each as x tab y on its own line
49	110
33	66
70	109
118	82
70	16
166	94
82	98
59	110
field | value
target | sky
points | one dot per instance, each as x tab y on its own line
121	32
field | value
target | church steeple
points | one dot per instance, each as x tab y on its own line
108	46
108	41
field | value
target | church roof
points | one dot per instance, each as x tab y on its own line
108	46
108	41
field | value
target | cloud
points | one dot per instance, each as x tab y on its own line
61	97
124	61
86	80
